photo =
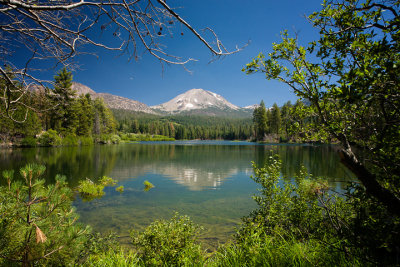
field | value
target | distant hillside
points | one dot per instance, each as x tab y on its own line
193	102
113	101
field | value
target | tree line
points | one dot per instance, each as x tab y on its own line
185	127
59	111
288	123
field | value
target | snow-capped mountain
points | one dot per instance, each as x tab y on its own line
192	102
195	99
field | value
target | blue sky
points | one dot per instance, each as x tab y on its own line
235	22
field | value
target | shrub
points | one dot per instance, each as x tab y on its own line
49	138
297	222
120	189
124	137
115	139
90	190
169	243
29	141
257	248
86	140
70	140
147	185
103	139
117	257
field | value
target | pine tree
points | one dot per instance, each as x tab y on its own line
38	222
260	121
103	120
286	118
64	117
85	116
275	119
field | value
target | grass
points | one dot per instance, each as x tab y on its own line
131	137
110	258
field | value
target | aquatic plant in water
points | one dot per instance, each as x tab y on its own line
90	190
147	185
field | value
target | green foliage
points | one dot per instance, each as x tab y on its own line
58	109
104	122
296	222
275	119
90	190
115	139
63	116
185	126
70	140
37	222
29	141
374	231
16	116
120	189
85	115
147	185
352	90
260	120
131	137
98	246
107	181
257	248
49	138
168	243
108	139
117	257
86	140
292	206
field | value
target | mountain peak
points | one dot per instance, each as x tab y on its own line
196	98
82	89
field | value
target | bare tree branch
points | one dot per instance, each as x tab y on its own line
57	31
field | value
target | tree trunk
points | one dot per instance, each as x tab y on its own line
369	180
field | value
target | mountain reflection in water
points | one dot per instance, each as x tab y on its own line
209	181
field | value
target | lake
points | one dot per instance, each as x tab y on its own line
207	180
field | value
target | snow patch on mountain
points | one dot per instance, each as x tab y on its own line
195	99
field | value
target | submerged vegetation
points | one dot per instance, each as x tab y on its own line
90	190
147	185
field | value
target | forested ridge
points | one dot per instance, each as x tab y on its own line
57	116
69	119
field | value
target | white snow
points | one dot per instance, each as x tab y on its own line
210	103
189	105
195	100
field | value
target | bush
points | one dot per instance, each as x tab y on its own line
50	138
90	190
86	140
169	243
116	258
29	141
296	223
115	139
70	140
257	248
124	137
103	139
